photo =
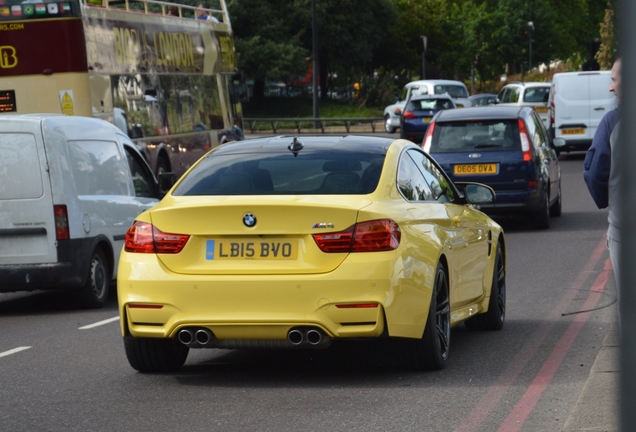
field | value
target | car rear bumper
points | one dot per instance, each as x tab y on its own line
155	302
69	272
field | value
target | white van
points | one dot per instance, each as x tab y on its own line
70	187
578	101
455	89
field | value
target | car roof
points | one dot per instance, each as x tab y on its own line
432	96
310	143
434	82
530	84
482	113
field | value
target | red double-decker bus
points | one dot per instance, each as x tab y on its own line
152	68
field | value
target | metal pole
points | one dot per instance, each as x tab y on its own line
424	42
627	274
315	72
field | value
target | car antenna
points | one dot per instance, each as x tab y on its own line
295	147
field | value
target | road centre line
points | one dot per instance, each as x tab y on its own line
13	351
544	377
495	392
97	324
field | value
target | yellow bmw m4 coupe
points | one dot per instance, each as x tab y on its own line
294	242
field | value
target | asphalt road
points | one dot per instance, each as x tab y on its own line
65	370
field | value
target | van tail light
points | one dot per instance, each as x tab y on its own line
525	141
371	236
428	138
143	237
408	115
61	222
551	108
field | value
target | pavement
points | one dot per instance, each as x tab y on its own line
598	406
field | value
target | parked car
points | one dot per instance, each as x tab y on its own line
418	112
578	102
506	148
286	242
532	94
456	89
483	99
71	187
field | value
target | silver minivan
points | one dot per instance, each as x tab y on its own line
70	188
578	101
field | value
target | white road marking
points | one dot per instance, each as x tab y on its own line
13	351
97	324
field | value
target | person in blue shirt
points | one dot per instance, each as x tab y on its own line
601	170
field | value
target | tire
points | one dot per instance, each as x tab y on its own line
556	208
163	166
387	124
94	293
431	351
542	217
154	355
495	317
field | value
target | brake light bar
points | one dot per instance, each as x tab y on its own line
525	141
62	231
371	236
428	138
143	237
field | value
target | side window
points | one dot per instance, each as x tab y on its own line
532	131
540	131
143	181
99	168
514	94
437	181
502	94
411	182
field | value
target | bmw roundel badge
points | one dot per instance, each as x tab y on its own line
249	219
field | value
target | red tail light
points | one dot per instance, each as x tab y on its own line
428	138
408	115
525	141
61	222
371	236
143	237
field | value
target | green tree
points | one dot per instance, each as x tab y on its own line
607	51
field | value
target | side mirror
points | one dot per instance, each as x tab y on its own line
476	193
558	142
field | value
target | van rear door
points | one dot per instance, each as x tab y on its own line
602	100
27	222
571	113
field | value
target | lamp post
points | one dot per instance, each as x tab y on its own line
530	31
315	65
424	42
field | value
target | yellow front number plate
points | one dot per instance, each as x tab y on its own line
475	169
572	131
275	249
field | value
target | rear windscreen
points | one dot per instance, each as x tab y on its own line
284	174
536	94
429	104
482	135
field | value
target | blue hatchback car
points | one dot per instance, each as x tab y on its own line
418	113
506	148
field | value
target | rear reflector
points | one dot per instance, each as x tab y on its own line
357	305
144	306
371	236
61	222
143	237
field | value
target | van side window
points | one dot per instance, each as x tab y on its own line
99	168
142	180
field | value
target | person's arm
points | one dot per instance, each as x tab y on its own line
596	168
